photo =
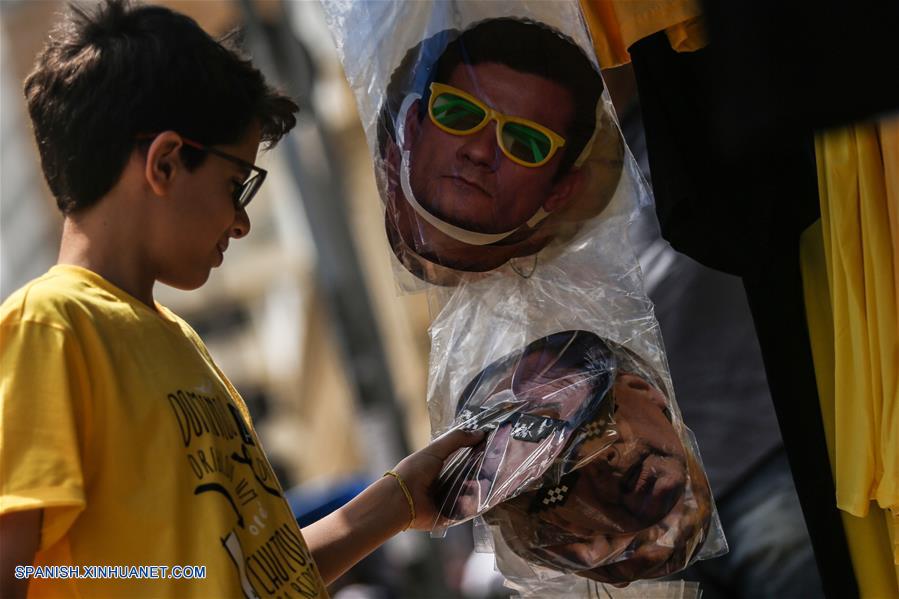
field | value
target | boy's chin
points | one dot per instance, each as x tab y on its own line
187	281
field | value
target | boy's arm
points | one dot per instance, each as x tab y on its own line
20	536
342	538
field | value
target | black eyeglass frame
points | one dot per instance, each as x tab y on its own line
248	189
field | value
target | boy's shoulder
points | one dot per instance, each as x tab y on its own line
54	298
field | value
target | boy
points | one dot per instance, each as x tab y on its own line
121	442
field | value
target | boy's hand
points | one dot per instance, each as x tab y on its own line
348	534
420	470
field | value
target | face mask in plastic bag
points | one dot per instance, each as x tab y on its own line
507	194
532	403
489	152
583	469
486	162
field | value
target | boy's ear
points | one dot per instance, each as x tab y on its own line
163	162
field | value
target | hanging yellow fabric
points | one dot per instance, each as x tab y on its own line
889	489
851	288
868	538
857	219
616	24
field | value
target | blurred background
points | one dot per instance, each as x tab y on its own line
305	318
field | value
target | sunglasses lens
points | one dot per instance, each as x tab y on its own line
526	143
458	114
246	193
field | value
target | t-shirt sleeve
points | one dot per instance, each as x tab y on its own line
44	390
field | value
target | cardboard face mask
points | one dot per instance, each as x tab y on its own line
583	469
502	148
638	507
532	402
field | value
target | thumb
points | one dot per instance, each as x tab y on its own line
448	442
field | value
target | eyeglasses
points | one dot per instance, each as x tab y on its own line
244	192
523	141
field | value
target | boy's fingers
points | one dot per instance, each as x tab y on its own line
447	443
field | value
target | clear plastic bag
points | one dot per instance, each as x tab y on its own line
534	403
450	220
508	193
585	468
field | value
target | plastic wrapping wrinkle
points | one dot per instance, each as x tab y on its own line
507	194
531	402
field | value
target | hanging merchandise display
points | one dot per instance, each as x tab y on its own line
533	403
507	192
468	187
583	469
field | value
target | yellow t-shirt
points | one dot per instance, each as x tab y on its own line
116	422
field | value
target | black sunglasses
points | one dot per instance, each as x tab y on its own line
245	192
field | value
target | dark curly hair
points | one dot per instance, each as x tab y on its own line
109	74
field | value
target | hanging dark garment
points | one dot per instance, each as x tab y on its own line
800	66
742	213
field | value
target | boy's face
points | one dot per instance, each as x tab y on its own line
200	219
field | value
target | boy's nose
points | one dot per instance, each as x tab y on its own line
241	226
481	148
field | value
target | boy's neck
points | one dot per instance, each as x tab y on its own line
109	250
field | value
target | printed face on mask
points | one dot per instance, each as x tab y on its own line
482	167
469	178
531	403
494	142
632	482
630	505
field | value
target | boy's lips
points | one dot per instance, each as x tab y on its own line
222	247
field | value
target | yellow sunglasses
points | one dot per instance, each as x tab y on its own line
523	141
